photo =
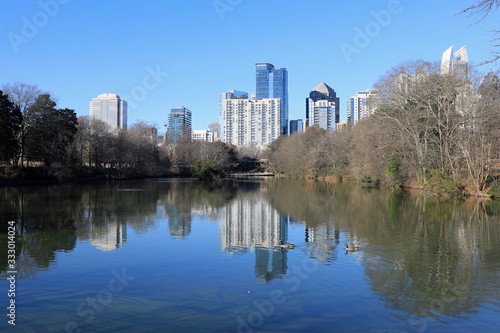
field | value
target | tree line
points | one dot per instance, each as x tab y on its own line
439	132
37	139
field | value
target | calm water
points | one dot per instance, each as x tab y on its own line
181	256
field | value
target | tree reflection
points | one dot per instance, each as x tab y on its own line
423	256
50	219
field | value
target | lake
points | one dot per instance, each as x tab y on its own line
167	255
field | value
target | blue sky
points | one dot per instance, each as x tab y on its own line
161	54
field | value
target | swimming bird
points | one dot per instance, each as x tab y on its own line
286	245
350	248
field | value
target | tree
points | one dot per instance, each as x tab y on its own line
23	96
481	9
10	126
206	171
52	132
100	143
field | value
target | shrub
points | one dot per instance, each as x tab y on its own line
494	190
439	183
206	171
392	171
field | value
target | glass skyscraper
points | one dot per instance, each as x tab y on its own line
296	126
273	83
179	124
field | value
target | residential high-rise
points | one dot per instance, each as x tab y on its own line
323	107
361	105
111	109
179	124
252	122
296	126
458	66
273	83
202	135
231	94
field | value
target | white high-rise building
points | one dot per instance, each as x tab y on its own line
361	105
458	66
111	109
251	122
202	135
231	94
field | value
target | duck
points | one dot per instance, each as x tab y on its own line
286	245
350	248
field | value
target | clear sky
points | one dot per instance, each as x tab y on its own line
161	54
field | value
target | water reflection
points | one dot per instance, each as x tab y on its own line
428	258
250	222
322	241
422	258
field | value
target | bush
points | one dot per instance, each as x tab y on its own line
206	171
439	183
392	171
366	179
494	190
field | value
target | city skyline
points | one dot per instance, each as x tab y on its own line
46	43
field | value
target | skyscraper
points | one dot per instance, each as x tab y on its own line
111	109
273	83
296	126
252	122
216	130
458	66
179	124
323	107
361	105
231	94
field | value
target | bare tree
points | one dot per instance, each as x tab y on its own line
23	96
481	9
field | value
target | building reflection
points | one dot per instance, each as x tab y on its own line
321	241
109	236
179	220
105	233
252	223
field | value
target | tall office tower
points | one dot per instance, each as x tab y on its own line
252	122
296	126
231	94
323	107
458	66
273	83
179	124
111	109
361	105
